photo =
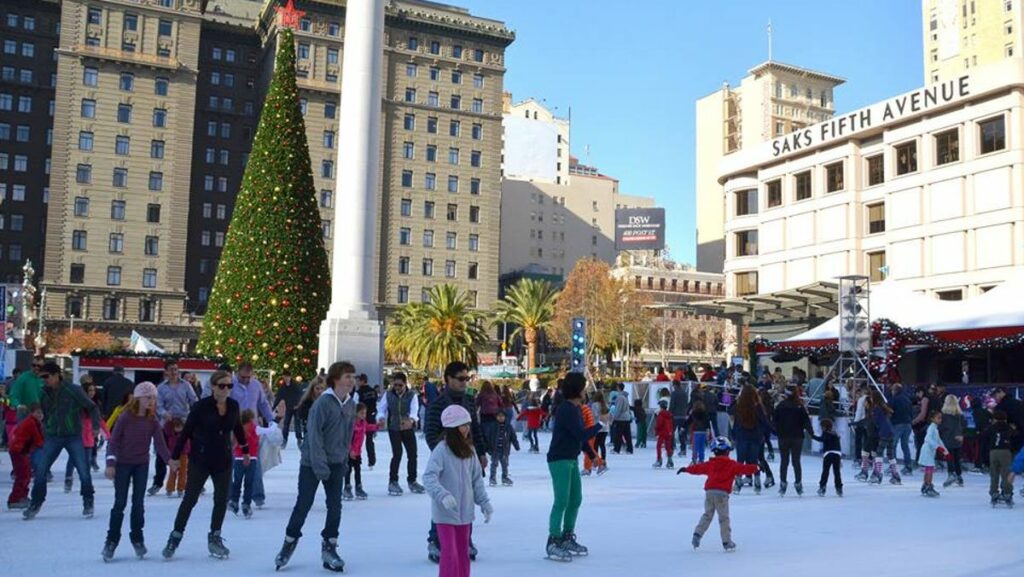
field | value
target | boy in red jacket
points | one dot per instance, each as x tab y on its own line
27	438
663	428
722	472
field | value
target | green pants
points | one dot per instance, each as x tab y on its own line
565	480
641	433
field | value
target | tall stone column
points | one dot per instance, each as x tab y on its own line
352	330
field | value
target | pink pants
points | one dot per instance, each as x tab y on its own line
454	550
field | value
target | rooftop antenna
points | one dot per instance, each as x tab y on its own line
769	40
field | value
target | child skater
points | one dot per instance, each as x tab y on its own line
176	479
355	454
25	440
590	456
663	430
128	465
243	477
722	472
501	446
699	421
998	437
454	480
932	443
832	456
534	417
640	416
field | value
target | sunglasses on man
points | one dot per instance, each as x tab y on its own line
463	378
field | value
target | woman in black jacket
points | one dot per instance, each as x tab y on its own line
209	427
791	420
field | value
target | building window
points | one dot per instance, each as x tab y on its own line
435	47
454	128
473	271
906	158
433	99
159	118
120	179
947	146
153	213
993	134
452	214
449	269
428	209
475	158
478	132
152	246
403	265
327	168
328	139
435	74
156	181
431	153
478	55
428	239
325	228
218	239
326	198
124	113
410	95
17	222
746	243
410	70
451	240
876	170
403	294
90	76
474	243
406	207
478	106
406	178
332	55
149	278
430	181
147	309
432	125
77	273
83	174
21	164
456	77
330	110
127	83
834	180
85	140
453	156
405	236
303	52
474	214
456	51
122	145
876	218
456	102
453	183
81	206
73	308
79	240
115	244
774	193
110	304
746	202
88	108
408	150
113	276
413	43
428	267
474	186
877	269
204	238
478	81
802	185
410	122
950	295
117	209
746	283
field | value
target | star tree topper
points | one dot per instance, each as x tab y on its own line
289	15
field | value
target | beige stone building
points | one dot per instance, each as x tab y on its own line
772	100
156	105
960	35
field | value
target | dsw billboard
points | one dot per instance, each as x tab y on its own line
639	229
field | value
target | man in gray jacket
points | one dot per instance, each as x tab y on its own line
679	407
622	417
324	458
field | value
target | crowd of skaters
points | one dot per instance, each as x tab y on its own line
213	431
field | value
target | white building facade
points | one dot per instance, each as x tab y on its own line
925	189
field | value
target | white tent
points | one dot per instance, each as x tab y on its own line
1001	307
140	344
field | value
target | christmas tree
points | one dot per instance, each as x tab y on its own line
272	288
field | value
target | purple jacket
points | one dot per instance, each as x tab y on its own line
130	440
252	397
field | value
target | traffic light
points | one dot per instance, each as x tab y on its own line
579	345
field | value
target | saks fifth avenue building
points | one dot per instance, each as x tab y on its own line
925	189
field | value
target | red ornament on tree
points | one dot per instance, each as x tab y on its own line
289	16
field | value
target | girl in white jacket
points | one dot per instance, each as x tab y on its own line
932	444
455	483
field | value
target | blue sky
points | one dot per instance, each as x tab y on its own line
632	72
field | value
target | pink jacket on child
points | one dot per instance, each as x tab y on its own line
359	431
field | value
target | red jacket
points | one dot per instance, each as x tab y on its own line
28	436
532	416
663	426
359	430
252	438
721	472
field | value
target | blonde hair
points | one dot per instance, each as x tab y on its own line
133	408
951	406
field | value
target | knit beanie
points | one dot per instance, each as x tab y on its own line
455	416
144	389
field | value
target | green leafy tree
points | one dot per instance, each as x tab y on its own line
530	306
432	334
273	284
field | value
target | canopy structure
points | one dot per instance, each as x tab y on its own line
814	300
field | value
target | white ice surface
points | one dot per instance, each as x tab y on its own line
636	521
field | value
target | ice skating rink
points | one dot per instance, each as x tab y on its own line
636	521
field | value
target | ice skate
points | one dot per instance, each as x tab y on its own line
140	549
247	511
68	484
586	472
433	551
329	556
18	506
602	469
906	471
30	512
360	493
172	544
285	554
876	478
657	464
895	480
929	491
108	551
346	493
87	507
556	551
394	490
729	546
769	482
821	491
782	489
416	488
695	541
839	491
215	544
737	486
493	482
670	464
233	507
799	489
950	479
862	475
153	490
757	485
472	550
507	481
959	480
569	544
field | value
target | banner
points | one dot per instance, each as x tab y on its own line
639	229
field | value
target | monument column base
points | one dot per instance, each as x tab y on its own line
357	340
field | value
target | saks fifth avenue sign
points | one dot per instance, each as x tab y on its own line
888	110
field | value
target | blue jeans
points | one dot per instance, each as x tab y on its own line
308	483
747	450
126	476
902	433
52	447
699	439
245	475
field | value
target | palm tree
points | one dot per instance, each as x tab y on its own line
530	306
444	329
